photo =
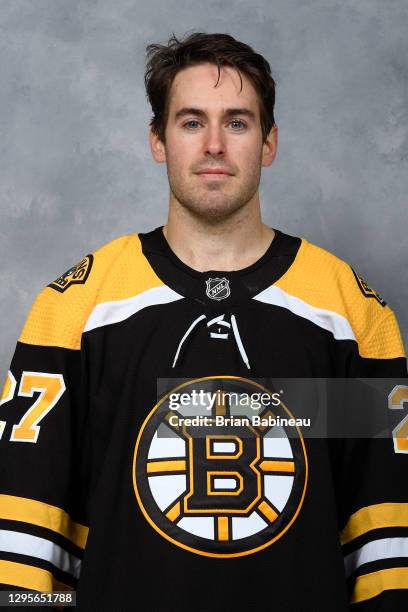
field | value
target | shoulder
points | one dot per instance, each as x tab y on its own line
61	309
331	280
333	290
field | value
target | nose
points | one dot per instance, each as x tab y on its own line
214	142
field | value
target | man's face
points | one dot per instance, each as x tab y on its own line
213	141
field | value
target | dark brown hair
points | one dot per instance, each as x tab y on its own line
165	61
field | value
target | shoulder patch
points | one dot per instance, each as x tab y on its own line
77	275
367	291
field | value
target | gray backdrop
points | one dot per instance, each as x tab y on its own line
76	169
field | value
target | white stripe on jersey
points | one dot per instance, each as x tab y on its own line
327	319
385	548
119	310
33	546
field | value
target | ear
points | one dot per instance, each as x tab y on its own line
270	146
157	147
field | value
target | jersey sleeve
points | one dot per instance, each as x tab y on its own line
371	473
44	445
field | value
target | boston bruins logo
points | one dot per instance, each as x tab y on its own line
77	275
214	476
367	291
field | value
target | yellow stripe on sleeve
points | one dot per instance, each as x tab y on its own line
43	515
370	585
29	577
374	517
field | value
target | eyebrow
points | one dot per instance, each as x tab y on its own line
229	112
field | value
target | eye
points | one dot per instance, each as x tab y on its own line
237	124
192	124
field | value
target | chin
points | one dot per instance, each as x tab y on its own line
211	204
214	211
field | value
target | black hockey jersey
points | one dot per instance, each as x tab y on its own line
132	470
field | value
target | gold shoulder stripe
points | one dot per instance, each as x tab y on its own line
384	341
323	280
43	515
119	270
374	517
130	275
370	585
29	577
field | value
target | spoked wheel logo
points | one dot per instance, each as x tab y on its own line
210	480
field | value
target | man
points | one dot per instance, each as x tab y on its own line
135	473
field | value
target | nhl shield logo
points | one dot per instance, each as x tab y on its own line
218	288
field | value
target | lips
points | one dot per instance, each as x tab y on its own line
214	172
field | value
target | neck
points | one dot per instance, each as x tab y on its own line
226	244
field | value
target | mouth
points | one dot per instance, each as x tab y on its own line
214	174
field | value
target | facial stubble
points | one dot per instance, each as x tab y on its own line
216	200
